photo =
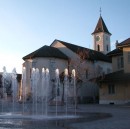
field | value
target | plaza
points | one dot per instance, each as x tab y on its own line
93	116
68	64
120	116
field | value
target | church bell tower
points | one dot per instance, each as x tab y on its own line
101	37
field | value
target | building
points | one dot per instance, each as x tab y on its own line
45	57
115	87
88	63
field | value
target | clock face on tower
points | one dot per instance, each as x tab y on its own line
98	38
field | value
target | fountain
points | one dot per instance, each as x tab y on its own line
23	87
3	88
74	84
37	76
43	88
38	108
38	112
14	87
57	82
66	84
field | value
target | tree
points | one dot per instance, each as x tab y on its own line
86	68
79	64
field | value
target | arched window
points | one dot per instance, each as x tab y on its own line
98	47
87	74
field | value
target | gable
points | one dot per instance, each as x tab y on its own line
64	49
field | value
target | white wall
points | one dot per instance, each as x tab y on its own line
50	63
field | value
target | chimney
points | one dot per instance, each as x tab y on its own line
116	44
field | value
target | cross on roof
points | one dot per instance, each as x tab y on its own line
100	11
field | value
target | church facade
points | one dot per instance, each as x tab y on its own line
62	55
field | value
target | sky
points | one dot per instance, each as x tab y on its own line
26	25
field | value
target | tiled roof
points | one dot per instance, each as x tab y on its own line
46	51
101	27
119	51
124	43
88	53
115	52
116	76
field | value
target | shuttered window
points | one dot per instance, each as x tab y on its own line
128	57
111	88
120	62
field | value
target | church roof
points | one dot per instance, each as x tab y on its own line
86	53
101	27
46	51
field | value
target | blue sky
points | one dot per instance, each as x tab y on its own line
26	25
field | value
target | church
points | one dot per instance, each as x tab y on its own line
88	64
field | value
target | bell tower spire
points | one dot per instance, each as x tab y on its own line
101	36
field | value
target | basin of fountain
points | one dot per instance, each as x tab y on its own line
36	117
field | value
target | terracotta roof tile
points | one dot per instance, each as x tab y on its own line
124	43
101	27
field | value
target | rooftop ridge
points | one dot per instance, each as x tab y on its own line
92	54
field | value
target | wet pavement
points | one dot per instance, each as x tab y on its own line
120	117
87	117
